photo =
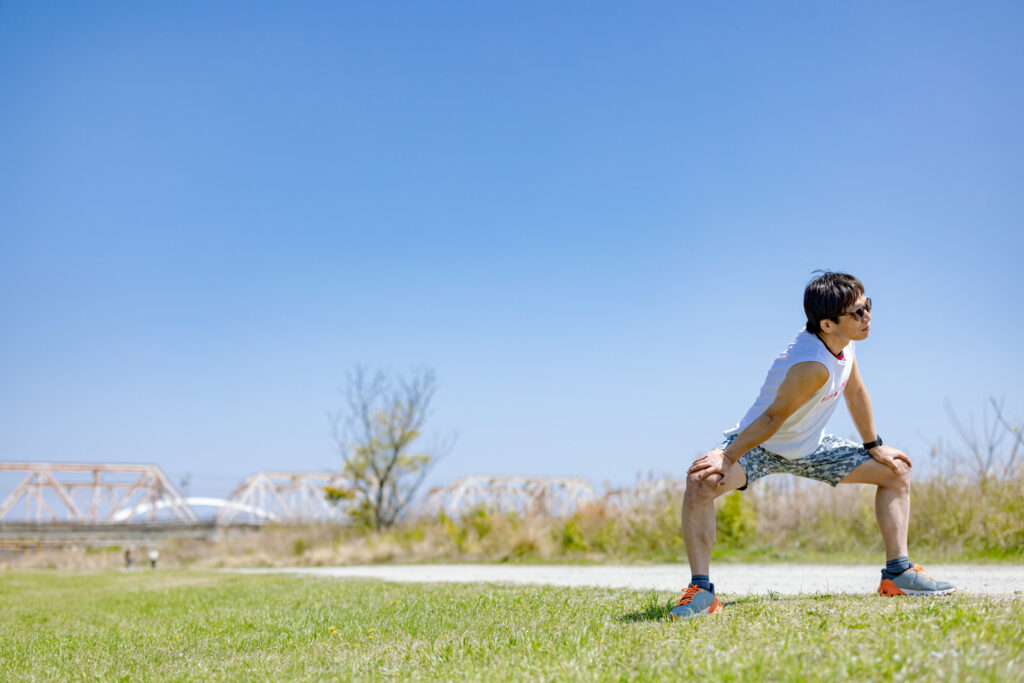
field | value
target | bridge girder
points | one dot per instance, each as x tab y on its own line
92	493
556	496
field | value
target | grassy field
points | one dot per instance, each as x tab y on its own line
206	625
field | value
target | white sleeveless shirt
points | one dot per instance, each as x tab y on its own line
802	432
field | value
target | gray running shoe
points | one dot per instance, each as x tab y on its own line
696	602
915	581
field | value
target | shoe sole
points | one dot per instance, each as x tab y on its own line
713	609
889	589
907	591
912	593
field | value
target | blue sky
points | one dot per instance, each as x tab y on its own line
594	220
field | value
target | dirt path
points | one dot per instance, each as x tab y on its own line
731	579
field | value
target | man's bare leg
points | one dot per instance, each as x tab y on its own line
892	508
699	515
892	502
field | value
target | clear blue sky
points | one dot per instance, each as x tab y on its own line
594	220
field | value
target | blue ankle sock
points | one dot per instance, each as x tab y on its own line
702	581
894	568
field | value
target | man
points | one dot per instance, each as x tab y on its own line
784	431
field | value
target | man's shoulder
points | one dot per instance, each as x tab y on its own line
804	345
803	379
808	371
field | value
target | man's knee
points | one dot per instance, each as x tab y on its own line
904	478
700	490
899	481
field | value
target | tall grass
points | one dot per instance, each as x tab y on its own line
956	517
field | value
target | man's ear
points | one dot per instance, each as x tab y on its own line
827	325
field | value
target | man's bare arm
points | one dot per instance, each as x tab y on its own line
858	402
801	382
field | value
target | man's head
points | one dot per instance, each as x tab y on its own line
829	297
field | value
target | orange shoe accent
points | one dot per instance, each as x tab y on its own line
889	588
715	606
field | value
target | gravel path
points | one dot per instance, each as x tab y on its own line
732	579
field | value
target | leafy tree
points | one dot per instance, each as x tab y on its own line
376	440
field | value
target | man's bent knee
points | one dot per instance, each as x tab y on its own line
879	474
902	480
897	481
702	490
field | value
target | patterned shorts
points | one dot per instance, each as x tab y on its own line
832	460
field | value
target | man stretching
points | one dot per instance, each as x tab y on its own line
784	431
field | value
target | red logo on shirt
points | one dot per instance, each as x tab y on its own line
836	393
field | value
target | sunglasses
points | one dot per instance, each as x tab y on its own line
858	313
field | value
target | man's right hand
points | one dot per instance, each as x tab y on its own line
713	466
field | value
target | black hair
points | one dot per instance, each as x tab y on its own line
828	296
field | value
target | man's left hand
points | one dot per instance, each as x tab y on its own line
893	458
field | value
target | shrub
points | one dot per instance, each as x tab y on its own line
735	520
571	538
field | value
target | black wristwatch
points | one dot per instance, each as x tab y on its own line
868	445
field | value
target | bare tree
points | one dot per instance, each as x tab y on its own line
376	440
984	442
1016	430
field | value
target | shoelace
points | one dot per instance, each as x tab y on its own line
688	594
920	570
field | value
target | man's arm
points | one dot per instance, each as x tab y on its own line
801	383
858	402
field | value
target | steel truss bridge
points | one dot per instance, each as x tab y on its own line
101	504
554	496
61	504
545	496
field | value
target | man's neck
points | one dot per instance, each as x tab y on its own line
833	342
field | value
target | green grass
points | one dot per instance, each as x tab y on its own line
204	625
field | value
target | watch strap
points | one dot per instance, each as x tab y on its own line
868	445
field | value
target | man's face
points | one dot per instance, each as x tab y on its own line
849	326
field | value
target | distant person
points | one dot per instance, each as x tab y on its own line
127	559
154	555
784	431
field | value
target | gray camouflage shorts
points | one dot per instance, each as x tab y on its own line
832	460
